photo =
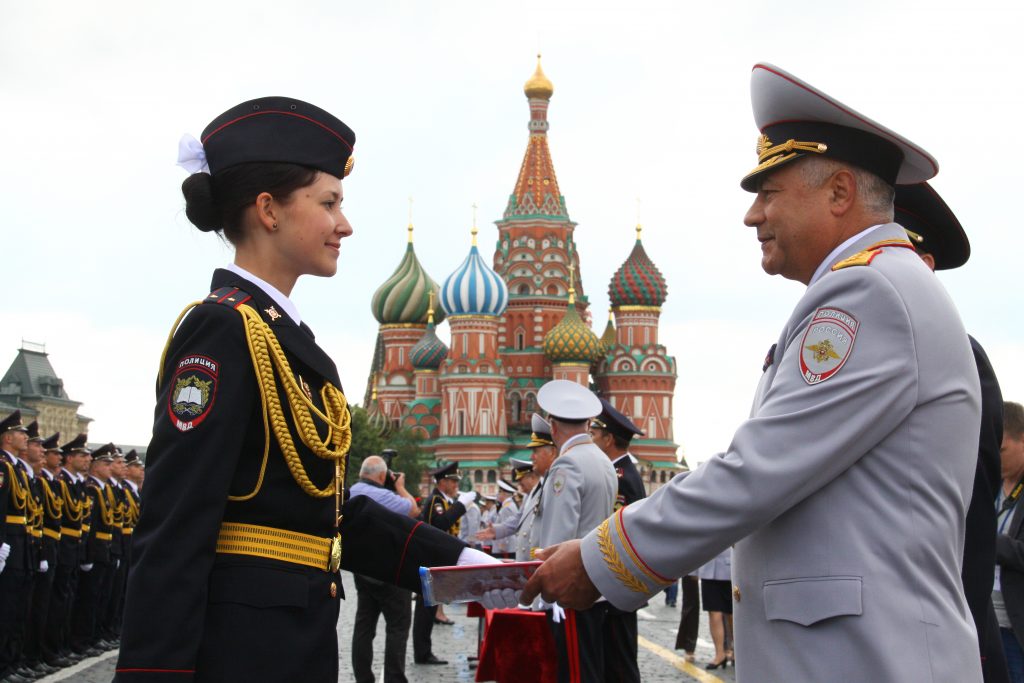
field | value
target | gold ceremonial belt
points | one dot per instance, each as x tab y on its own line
35	533
104	536
55	535
16	519
277	544
68	531
127	531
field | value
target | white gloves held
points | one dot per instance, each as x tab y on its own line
43	566
86	567
5	551
467	498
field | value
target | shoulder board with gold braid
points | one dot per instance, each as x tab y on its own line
863	258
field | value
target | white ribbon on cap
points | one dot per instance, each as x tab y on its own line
191	155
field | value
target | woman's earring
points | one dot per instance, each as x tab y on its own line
275	226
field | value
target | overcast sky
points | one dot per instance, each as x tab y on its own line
651	101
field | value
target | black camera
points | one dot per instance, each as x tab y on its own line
388	455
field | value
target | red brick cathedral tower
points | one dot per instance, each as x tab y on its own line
535	247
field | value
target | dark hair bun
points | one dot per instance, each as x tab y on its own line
200	205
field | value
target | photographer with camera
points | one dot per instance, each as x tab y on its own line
377	481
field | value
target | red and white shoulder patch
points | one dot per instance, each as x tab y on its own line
193	390
827	344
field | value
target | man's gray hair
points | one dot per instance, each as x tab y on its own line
876	195
372	466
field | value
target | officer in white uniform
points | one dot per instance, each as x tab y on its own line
578	494
845	493
508	513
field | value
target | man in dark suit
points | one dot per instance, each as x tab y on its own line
1009	587
942	244
443	510
612	432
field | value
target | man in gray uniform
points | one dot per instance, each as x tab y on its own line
845	493
578	494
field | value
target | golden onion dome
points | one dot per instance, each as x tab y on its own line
539	86
571	340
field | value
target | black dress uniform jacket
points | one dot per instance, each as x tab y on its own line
442	514
194	613
631	485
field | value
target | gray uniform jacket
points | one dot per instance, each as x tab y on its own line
719	568
845	492
507	516
524	528
579	492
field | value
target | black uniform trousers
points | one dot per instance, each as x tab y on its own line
36	647
578	640
62	600
620	646
15	591
376	598
85	620
689	619
110	621
422	629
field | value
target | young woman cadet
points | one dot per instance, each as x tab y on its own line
245	522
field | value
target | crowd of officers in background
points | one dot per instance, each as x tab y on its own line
65	548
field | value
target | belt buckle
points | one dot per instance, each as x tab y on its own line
335	562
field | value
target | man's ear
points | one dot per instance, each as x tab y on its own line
843	191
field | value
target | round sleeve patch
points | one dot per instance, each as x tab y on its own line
827	344
193	389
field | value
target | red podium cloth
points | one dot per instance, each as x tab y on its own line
517	647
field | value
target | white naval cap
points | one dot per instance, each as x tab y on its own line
506	487
568	400
796	119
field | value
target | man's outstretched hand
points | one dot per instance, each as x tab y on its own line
561	578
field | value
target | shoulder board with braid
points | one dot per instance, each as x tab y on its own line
232	297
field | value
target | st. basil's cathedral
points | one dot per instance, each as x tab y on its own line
515	326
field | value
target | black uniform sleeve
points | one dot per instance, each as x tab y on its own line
189	472
980	537
5	493
389	547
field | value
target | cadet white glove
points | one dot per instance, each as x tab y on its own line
117	564
85	567
3	564
5	552
43	566
467	498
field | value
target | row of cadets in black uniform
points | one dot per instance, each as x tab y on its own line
46	531
620	627
442	511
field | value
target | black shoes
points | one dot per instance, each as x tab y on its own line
430	659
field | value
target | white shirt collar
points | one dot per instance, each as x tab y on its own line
103	484
572	439
827	263
71	474
624	455
131	483
31	474
273	292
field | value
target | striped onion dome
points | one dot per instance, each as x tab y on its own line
638	282
429	351
571	341
403	298
608	337
474	288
